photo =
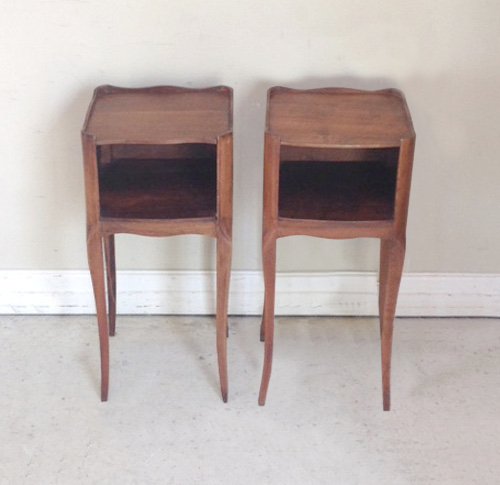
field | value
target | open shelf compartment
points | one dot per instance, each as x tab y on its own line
158	182
338	185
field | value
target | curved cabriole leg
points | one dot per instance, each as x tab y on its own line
269	269
262	329
392	253
223	276
384	264
96	266
109	251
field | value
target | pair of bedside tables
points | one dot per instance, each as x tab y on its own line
158	162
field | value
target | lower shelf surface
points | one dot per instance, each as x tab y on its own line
337	191
158	189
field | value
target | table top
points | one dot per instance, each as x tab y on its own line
338	117
159	115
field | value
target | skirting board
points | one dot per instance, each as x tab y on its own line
193	292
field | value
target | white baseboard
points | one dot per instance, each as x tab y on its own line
193	292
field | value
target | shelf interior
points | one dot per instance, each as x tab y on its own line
338	191
151	182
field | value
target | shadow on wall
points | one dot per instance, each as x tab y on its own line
456	172
63	183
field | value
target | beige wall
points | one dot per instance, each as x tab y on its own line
444	55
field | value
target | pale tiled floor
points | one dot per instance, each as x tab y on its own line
323	422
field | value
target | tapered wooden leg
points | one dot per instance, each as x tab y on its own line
109	251
262	329
383	271
96	266
392	253
269	269
223	277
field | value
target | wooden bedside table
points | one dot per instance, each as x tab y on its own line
337	164
157	162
